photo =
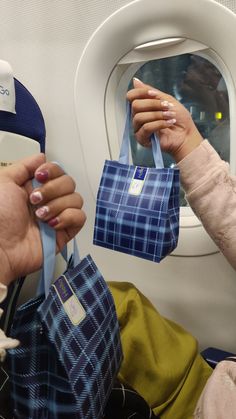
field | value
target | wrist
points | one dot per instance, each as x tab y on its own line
191	142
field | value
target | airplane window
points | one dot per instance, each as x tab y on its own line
199	85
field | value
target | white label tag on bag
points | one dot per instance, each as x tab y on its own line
7	88
69	300
138	180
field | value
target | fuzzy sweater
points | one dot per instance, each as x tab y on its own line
211	192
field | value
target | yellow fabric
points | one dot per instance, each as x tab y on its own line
161	359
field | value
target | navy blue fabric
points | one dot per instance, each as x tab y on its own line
60	370
28	120
144	225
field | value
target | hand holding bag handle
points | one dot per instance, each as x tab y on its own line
124	151
70	349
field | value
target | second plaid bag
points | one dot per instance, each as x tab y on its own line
137	209
70	349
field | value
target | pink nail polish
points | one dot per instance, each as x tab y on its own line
42	211
36	197
42	175
53	222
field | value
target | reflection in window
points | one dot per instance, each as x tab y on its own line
200	87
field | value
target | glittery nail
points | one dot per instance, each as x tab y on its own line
42	211
42	175
36	197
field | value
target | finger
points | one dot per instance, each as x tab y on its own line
142	118
48	171
54	208
146	105
144	133
23	170
9	343
151	91
147	89
52	189
70	218
138	83
143	90
139	93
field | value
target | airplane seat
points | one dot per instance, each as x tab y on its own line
214	355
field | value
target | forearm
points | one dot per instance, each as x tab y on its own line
211	192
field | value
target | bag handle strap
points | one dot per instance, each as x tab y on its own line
48	239
125	146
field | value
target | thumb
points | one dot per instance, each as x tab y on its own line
23	170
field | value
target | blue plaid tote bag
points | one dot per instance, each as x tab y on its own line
70	349
137	209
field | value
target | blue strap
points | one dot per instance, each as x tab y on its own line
156	150
124	151
48	239
125	145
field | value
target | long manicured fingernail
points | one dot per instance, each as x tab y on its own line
36	197
171	121
53	222
42	175
42	212
136	78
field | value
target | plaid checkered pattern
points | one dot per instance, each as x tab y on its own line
125	403
62	371
146	225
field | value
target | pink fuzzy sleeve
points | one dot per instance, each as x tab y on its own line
211	192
